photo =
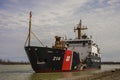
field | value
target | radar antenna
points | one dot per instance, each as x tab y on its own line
79	28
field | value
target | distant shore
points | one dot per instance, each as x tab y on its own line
110	62
8	62
15	63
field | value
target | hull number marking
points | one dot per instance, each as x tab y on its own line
56	58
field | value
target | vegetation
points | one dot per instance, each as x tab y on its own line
12	62
110	62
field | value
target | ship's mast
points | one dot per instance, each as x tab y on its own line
79	28
29	35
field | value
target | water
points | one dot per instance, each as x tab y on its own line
24	72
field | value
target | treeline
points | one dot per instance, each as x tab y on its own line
12	62
110	62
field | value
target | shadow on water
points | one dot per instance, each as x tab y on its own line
52	76
57	75
45	76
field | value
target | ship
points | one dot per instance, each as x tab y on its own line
66	54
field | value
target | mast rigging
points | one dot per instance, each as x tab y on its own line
79	28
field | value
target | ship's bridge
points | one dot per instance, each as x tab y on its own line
84	40
78	42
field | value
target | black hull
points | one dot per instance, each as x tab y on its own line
45	59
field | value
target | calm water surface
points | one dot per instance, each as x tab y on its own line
24	72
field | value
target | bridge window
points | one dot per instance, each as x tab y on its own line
76	42
96	54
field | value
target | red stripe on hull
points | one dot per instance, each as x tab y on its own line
67	61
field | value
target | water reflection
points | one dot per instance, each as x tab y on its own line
58	75
45	76
50	76
67	75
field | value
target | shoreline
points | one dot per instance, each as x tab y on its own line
106	75
15	63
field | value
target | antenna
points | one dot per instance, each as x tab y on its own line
28	40
79	28
29	35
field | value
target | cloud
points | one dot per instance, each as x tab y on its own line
58	17
14	1
114	2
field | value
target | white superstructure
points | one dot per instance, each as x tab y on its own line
85	47
83	44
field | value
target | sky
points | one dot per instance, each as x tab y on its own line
58	17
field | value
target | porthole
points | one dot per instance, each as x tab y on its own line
29	49
36	49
